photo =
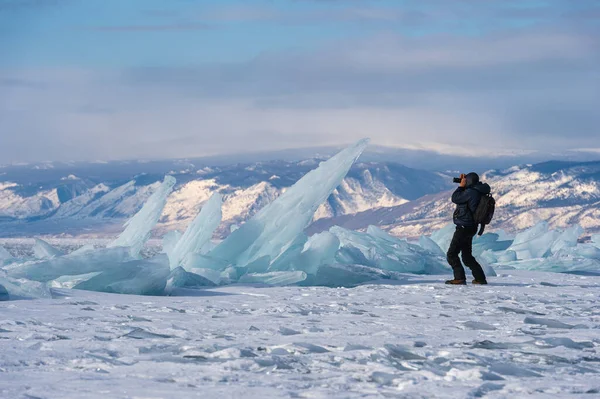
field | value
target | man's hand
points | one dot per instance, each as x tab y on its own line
463	180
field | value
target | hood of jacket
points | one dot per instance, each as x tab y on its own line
483	188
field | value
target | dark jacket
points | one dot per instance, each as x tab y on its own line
466	200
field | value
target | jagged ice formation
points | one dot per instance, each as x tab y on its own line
273	249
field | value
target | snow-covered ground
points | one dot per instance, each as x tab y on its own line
527	334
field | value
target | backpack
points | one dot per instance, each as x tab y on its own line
485	211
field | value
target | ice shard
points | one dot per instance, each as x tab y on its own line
199	232
567	239
308	254
430	245
274	278
138	228
179	278
390	253
535	242
71	281
4	296
23	289
136	277
170	241
278	224
43	250
5	256
72	265
443	237
596	240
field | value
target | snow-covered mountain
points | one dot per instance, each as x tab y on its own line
561	193
75	198
66	198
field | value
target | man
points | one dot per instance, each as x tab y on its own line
466	197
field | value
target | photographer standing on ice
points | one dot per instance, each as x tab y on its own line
467	216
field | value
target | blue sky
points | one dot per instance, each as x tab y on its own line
114	79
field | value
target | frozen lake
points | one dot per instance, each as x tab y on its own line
526	334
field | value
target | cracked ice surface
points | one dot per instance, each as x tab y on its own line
528	334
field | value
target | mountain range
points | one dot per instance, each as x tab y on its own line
94	199
561	193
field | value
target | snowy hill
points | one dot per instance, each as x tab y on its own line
561	193
66	198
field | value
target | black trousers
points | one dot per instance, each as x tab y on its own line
462	241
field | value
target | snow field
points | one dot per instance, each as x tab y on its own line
527	334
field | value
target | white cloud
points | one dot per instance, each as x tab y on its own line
455	94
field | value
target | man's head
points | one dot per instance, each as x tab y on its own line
472	179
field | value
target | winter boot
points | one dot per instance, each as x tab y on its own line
456	282
481	282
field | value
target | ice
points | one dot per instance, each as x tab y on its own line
411	338
180	278
43	250
273	249
535	242
317	250
291	257
489	242
136	277
277	225
390	253
337	275
580	250
3	294
429	245
274	278
199	232
170	241
82	249
557	264
507	256
596	240
138	228
199	261
82	263
567	239
5	256
23	289
71	281
443	237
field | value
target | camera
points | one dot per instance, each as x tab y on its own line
456	180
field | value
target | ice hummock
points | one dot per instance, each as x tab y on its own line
43	250
272	249
138	228
198	233
275	227
5	256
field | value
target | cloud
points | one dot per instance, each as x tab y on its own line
531	87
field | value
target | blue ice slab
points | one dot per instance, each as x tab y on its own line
5	256
136	277
390	253
199	232
535	242
275	227
87	262
180	278
139	227
43	250
274	278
